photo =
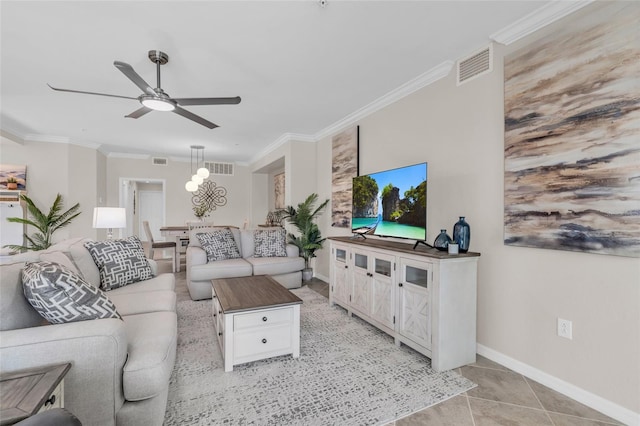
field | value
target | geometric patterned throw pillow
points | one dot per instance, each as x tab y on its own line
219	244
120	262
60	295
269	243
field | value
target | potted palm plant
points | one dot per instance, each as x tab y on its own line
310	238
46	224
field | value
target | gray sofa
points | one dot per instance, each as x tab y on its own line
120	368
285	270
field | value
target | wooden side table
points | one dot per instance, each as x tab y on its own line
26	392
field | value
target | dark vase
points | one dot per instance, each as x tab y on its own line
462	235
442	241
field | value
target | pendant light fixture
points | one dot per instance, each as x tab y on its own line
201	172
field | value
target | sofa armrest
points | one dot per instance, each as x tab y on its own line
97	351
196	256
292	250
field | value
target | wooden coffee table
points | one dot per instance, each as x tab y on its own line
255	318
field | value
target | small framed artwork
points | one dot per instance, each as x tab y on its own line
13	177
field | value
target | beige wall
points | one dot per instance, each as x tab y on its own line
521	291
178	200
54	168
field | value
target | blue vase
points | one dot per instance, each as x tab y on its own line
462	234
442	241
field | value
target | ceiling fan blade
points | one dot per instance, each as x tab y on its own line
208	101
139	112
89	93
191	116
128	71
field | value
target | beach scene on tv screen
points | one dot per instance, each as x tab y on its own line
391	203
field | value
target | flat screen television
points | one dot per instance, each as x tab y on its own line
391	203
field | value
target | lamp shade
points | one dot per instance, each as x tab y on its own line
109	217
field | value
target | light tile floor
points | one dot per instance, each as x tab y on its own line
502	397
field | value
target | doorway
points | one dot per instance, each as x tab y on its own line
144	199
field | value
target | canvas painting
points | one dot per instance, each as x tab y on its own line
344	167
278	189
13	177
572	137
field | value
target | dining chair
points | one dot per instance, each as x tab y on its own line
153	245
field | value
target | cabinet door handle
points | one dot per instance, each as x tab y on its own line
220	333
50	401
264	319
346	266
214	315
399	284
264	340
220	312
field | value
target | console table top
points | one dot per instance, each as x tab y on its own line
421	250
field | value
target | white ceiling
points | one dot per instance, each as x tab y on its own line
298	67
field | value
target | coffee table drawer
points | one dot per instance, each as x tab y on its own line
262	342
263	318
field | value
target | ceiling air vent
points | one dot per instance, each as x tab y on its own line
475	65
159	161
225	169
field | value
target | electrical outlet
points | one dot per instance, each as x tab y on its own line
565	329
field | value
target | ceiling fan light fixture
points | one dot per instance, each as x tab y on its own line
157	103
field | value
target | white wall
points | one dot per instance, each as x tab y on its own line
178	204
521	291
54	168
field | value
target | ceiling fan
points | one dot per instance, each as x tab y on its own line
156	99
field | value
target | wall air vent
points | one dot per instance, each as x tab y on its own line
475	65
225	169
159	161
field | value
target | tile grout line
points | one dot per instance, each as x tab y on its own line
473	420
546	412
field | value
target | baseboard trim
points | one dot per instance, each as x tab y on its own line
596	402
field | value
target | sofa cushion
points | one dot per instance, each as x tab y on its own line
152	351
83	260
61	296
276	265
120	262
219	245
221	269
161	282
61	259
15	311
142	303
269	242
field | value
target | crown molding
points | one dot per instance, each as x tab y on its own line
537	19
12	136
284	138
421	81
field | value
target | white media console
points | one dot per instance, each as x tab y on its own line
422	297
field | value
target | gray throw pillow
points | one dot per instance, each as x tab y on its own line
61	295
120	262
269	243
219	244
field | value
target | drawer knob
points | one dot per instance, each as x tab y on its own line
215	315
400	285
264	319
220	333
50	401
264	340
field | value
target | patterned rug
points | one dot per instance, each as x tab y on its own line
348	373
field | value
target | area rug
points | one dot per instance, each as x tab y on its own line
348	373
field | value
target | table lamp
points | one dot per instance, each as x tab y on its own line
109	217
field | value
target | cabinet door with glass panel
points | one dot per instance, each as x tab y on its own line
383	300
341	278
361	281
414	293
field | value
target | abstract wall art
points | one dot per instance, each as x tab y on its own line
344	167
572	136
